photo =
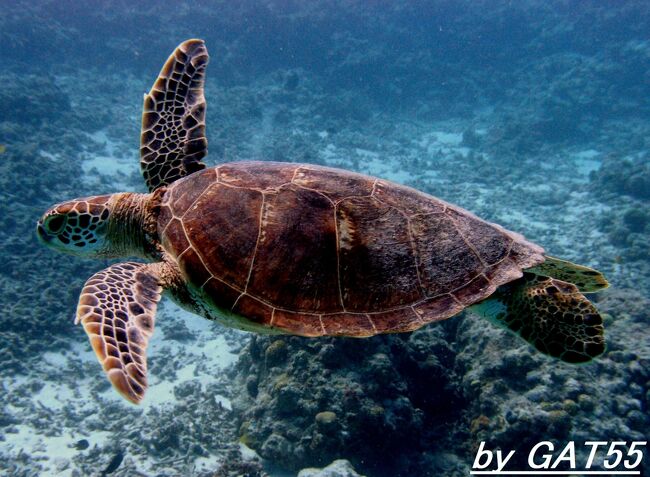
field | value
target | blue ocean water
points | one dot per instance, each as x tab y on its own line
531	114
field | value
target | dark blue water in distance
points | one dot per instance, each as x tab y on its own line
532	114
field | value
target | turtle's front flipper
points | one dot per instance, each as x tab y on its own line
172	141
117	308
550	314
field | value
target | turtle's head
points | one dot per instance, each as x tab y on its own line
78	226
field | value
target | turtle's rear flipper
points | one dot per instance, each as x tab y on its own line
117	308
550	314
586	279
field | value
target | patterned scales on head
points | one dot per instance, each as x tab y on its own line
297	248
316	251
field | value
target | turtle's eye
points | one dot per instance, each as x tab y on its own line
55	223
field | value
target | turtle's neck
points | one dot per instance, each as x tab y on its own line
132	227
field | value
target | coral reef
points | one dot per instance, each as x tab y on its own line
389	404
28	103
378	402
623	183
517	396
623	176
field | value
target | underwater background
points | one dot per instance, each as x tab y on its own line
533	114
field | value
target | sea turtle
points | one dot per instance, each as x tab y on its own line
297	248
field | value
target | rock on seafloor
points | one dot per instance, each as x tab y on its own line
338	468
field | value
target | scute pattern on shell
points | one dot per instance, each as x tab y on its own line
319	251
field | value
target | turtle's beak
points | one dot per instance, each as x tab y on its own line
43	236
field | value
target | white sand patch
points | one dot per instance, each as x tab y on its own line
386	168
247	453
53	446
109	164
205	357
48	436
53	452
541	187
585	205
330	153
587	161
261	135
106	165
218	351
451	139
366	154
587	154
55	359
209	342
443	143
206	464
54	395
56	157
523	222
160	392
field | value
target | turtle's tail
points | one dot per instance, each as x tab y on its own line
550	314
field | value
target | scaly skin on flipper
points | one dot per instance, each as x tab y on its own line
550	314
586	279
117	309
173	142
